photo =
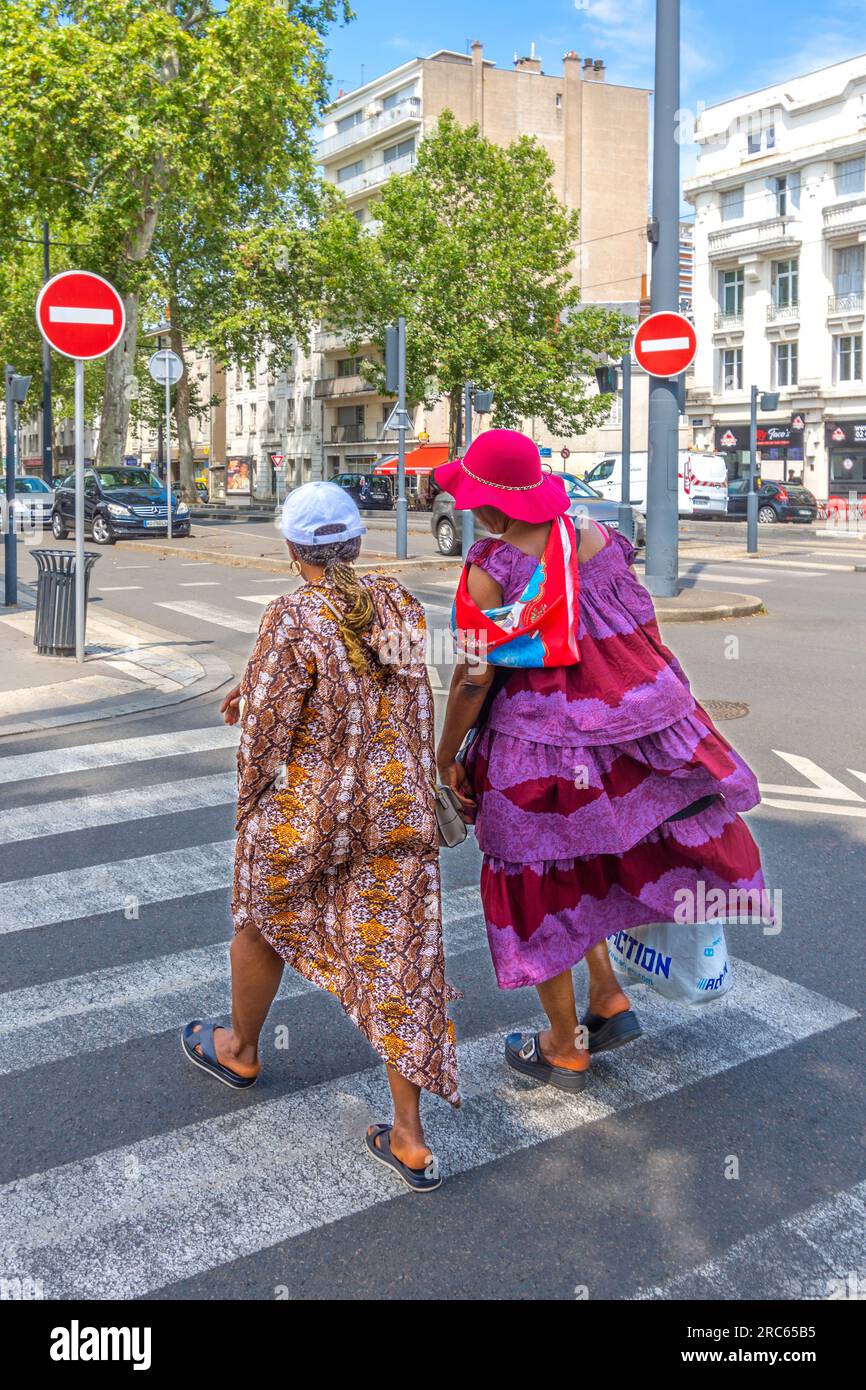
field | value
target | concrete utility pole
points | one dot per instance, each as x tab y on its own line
662	557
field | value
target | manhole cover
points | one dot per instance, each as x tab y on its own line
725	709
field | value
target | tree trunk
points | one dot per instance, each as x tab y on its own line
120	380
181	411
119	376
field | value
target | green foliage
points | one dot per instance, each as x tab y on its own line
172	143
477	252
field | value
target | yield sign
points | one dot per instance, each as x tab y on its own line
665	343
80	314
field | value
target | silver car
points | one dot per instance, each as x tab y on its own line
34	501
447	524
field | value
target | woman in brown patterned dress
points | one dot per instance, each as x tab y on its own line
336	866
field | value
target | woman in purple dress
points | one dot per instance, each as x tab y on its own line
601	789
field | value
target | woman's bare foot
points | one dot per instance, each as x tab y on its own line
406	1145
607	1001
570	1056
238	1058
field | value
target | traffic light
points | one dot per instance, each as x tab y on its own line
607	380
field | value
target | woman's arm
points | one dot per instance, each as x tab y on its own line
469	686
274	688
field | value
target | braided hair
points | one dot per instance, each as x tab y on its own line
337	560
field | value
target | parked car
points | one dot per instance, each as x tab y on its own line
33	504
447	524
776	501
119	502
703	481
201	489
370	493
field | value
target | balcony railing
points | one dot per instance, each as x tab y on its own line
728	322
371	178
341	386
845	303
840	219
783	311
384	122
775	232
357	434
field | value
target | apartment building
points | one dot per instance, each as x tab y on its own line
780	229
588	127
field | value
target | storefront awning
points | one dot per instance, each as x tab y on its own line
418	461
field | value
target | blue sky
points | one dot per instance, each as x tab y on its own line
728	46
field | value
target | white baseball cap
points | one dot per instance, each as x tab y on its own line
313	506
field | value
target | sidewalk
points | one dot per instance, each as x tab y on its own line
129	668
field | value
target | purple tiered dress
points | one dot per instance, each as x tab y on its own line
578	771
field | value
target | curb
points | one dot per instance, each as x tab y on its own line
214	673
740	606
276	564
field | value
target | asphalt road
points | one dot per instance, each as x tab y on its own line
126	1173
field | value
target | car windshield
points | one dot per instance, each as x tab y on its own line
576	487
128	477
26	485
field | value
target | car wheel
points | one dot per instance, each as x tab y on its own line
58	530
446	538
101	531
767	514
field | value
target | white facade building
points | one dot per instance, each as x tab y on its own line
780	234
373	132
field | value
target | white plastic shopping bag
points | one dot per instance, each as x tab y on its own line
686	962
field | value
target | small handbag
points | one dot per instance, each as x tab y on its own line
452	826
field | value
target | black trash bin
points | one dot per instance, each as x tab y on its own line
54	633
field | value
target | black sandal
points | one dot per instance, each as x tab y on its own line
523	1053
416	1179
606	1033
207	1059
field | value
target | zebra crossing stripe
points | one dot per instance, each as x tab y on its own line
114	808
70	894
138	1217
209	613
54	762
824	1257
120	1003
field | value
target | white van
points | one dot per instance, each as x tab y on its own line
703	480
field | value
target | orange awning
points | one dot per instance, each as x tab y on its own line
421	460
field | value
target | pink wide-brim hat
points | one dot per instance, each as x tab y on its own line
502	468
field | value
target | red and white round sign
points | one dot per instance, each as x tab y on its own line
80	314
665	344
565	452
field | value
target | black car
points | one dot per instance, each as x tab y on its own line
119	502
776	501
367	491
447	524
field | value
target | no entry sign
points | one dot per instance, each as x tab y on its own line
665	344
80	314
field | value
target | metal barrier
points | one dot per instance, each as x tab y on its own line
54	632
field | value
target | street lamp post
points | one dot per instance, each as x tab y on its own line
15	395
769	401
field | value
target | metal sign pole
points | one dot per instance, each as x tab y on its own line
402	504
79	509
625	517
468	516
752	498
10	538
168	447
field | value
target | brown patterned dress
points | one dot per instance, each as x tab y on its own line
337	860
